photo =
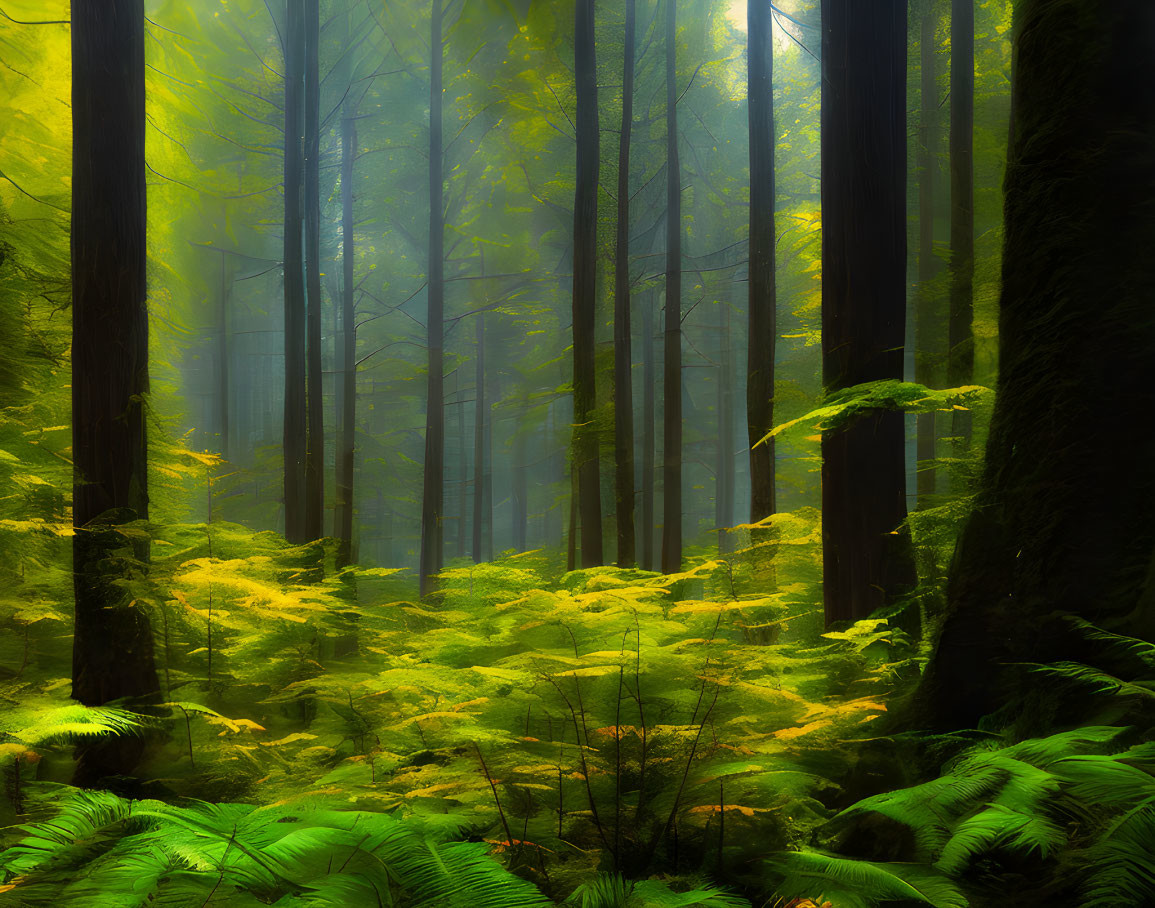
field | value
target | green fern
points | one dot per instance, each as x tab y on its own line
612	890
861	884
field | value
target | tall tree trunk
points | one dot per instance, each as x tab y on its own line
462	472
520	490
926	317
649	442
672	362
222	370
623	348
865	565
724	471
480	452
961	358
1064	521
112	651
585	226
315	436
347	445
295	425
763	321
432	501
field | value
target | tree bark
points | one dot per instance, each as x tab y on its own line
866	565
649	442
295	422
1064	520
926	325
763	327
480	450
222	376
112	656
585	444
347	446
672	362
432	501
623	347
315	437
724	471
961	343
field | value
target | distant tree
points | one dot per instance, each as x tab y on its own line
649	442
763	330
867	559
1064	521
112	640
432	500
672	363
348	342
585	224
623	351
295	419
315	435
961	343
480	444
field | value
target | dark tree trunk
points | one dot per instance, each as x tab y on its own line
672	361
961	356
432	501
585	225
1065	515
295	425
462	474
623	351
480	450
926	325
347	443
724	471
866	565
315	408
649	442
222	370
112	655
763	324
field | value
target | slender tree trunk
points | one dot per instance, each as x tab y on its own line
763	321
1064	521
480	452
520	497
623	351
315	409
432	502
571	536
347	447
222	376
585	444
672	363
112	654
926	316
724	471
295	421
649	384
961	358
462	473
865	565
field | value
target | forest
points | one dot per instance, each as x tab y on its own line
605	453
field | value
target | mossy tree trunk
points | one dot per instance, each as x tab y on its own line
112	644
1065	517
867	558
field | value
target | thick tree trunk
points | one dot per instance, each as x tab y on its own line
432	501
315	408
585	225
865	563
347	444
961	356
480	450
295	424
763	322
1065	516
112	655
926	324
672	362
623	348
649	442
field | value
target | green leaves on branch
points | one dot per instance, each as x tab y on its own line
841	407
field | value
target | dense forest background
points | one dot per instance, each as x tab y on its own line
650	452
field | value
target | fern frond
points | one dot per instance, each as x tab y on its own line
999	827
68	723
1121	864
826	877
